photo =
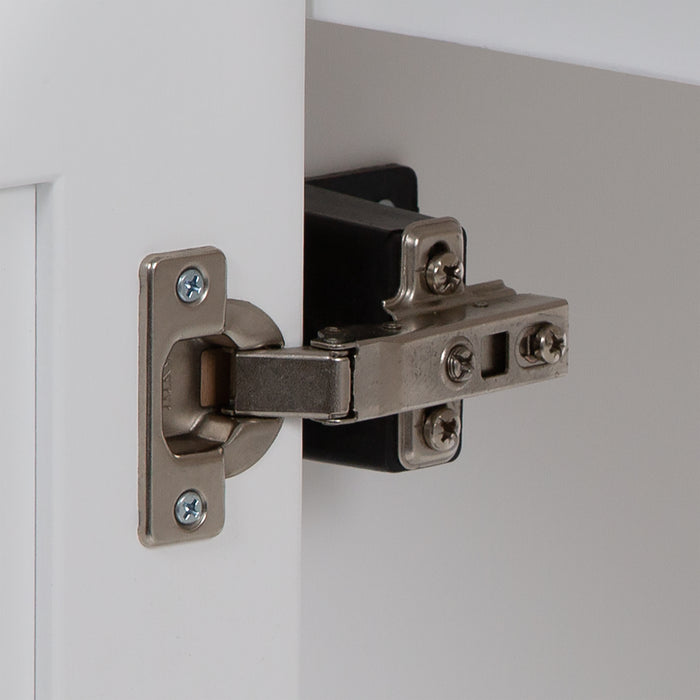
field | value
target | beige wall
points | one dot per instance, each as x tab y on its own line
654	37
559	557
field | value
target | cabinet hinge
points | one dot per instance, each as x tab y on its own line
381	376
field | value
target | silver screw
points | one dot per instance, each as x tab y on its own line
190	509
548	344
441	429
444	273
191	285
459	363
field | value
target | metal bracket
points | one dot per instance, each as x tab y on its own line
189	440
216	380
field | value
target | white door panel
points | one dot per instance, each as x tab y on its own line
155	126
17	237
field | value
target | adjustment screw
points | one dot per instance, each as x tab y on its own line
191	285
441	429
190	510
444	273
459	363
547	344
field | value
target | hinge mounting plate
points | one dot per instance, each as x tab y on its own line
188	441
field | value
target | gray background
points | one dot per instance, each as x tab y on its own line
559	557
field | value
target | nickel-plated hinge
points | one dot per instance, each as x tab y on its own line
385	393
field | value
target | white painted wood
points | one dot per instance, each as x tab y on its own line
153	125
655	38
559	556
17	236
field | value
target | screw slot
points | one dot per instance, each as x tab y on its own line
441	429
444	273
190	510
459	363
191	285
547	344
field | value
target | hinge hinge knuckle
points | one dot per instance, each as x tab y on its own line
293	382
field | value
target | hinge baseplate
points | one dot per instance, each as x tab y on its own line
188	439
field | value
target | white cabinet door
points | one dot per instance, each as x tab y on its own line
17	256
145	126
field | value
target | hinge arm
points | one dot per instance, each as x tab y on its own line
482	343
